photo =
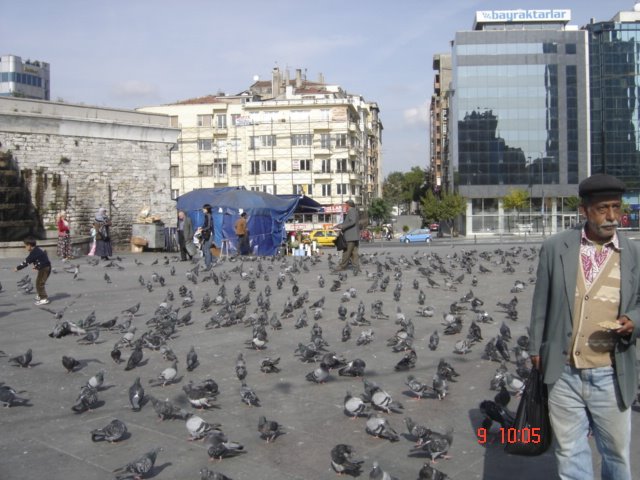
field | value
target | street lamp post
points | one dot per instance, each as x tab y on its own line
542	191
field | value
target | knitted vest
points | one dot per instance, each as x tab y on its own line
592	346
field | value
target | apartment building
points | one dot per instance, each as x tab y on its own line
439	122
282	136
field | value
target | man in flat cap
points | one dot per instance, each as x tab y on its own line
585	320
350	228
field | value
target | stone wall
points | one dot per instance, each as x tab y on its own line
80	164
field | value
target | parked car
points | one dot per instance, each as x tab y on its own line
434	227
417	235
324	238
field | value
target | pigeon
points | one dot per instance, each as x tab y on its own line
436	445
434	339
69	363
268	365
380	428
206	474
116	353
319	375
23	360
248	396
427	472
417	431
192	359
9	397
138	468
418	388
167	376
354	368
380	399
354	406
90	338
220	447
87	400
200	396
166	410
494	412
198	428
407	362
136	395
132	310
241	367
135	358
440	386
377	473
342	460
346	332
113	432
269	430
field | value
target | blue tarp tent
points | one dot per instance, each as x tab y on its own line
267	215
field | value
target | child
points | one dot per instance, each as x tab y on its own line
41	263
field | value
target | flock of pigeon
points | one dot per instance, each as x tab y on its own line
200	353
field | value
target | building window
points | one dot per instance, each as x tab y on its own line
204	144
268	165
341	165
205	170
175	194
255	188
173	121
204	120
220	167
326	165
301	139
341	140
325	140
262	141
326	189
236	169
353	166
301	165
221	121
303	189
570	48
269	189
255	167
174	171
342	189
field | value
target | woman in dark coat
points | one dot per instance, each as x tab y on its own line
102	224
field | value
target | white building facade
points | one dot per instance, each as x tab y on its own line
280	137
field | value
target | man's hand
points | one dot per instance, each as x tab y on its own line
626	326
536	362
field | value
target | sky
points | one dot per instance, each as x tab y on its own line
134	53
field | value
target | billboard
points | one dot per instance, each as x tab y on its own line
542	15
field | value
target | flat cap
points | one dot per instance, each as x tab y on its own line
601	184
351	203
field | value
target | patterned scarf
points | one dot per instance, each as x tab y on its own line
593	258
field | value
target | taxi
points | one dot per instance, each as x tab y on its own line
324	238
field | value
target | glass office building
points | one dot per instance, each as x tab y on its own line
614	74
519	119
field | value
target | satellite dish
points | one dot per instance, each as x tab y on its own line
636	7
256	78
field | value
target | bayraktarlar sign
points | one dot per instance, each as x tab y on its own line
501	16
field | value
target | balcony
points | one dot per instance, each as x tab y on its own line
320	175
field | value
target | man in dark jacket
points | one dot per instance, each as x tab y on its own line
585	320
350	228
40	261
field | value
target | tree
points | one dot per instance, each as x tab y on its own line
392	189
516	199
415	185
446	209
379	210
